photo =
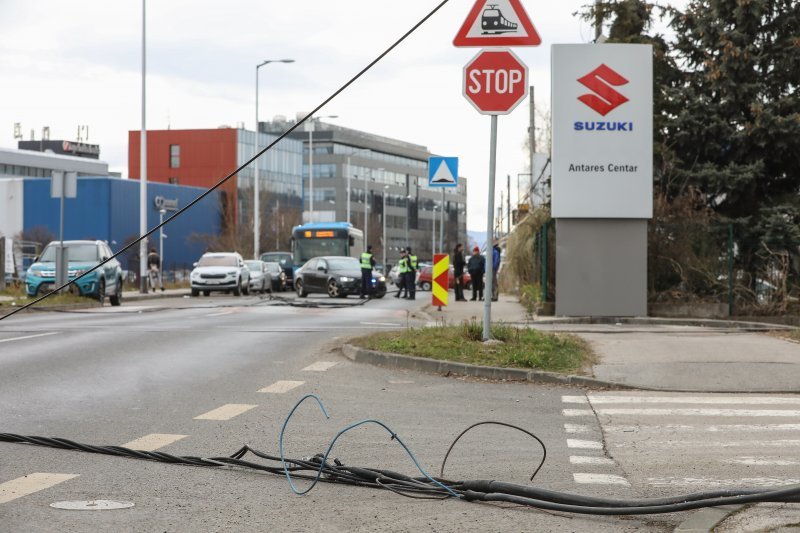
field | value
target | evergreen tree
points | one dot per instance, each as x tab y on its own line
736	137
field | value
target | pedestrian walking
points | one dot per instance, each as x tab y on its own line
476	266
458	271
402	270
495	267
411	274
367	264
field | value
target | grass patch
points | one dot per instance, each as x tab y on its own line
20	298
517	347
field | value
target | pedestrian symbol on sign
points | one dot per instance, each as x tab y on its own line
443	171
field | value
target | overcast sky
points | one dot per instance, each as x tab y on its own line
67	64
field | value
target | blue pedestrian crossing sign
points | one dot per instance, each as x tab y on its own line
442	171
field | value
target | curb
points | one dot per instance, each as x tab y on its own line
435	366
705	520
137	297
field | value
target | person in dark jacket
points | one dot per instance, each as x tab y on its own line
496	255
458	271
476	267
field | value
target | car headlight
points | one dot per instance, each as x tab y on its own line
345	279
229	274
194	274
80	272
30	272
382	278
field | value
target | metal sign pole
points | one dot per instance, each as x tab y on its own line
487	293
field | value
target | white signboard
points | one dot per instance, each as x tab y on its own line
602	131
9	255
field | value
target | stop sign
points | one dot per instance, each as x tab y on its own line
495	81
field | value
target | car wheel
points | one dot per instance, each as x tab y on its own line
238	290
298	285
195	292
246	288
380	293
333	289
425	285
116	298
101	291
468	286
206	293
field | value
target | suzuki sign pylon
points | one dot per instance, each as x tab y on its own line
495	81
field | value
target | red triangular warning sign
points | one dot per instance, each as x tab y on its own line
497	23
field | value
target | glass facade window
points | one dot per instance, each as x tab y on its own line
174	156
321	170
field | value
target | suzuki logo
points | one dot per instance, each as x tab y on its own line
605	98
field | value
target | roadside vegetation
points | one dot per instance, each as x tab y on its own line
515	347
19	298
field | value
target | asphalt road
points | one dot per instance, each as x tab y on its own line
202	376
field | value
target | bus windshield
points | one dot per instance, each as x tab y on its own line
305	249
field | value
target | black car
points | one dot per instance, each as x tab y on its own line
278	277
284	259
337	276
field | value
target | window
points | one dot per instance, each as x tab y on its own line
173	180
174	156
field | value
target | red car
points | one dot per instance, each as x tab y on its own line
424	279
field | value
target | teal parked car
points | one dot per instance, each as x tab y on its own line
81	256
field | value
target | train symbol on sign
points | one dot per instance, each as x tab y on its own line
493	22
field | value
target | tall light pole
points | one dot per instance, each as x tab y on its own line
161	237
385	190
256	200
310	129
143	168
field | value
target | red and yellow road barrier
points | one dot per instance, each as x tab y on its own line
440	282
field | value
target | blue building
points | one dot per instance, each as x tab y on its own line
107	209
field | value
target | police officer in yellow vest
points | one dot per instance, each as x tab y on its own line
367	264
411	279
402	271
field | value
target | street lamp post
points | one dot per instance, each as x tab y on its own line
161	237
256	202
385	190
310	129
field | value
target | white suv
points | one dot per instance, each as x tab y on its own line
220	272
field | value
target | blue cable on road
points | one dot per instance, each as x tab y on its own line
333	442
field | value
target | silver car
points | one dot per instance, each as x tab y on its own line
260	277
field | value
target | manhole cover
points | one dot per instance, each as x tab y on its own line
92	505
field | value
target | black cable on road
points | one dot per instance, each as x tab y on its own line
243	166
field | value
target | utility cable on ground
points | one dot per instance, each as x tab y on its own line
319	468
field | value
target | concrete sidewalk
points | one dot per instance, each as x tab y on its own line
658	354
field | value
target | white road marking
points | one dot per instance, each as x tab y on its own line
576	428
584	444
153	441
713	444
761	461
574	399
577	412
29	337
585	460
710	482
600	479
281	387
226	412
320	366
400	382
22	486
695	412
722	428
702	400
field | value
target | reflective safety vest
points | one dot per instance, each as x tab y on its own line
366	260
402	266
412	261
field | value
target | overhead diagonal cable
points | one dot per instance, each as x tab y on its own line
243	165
